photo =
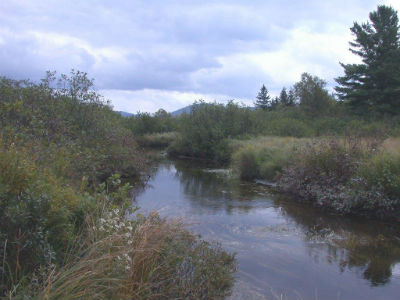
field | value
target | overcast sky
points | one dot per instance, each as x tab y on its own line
146	55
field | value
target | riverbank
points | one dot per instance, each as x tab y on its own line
348	175
278	240
64	206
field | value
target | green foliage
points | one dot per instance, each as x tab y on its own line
61	150
71	125
205	129
263	99
373	85
382	173
348	175
311	94
204	133
37	215
263	157
288	127
145	123
286	99
246	163
158	140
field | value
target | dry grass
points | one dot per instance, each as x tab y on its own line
158	140
263	157
149	258
392	145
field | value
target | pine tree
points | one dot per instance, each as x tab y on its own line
284	98
374	85
263	99
291	98
275	103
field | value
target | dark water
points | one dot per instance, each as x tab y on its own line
284	249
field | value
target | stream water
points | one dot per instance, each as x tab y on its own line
285	249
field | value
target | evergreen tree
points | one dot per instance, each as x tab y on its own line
375	83
275	103
263	99
291	98
284	98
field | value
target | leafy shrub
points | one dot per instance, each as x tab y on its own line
59	152
145	123
158	140
37	216
204	133
289	127
73	120
382	173
348	175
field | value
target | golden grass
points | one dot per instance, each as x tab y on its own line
149	258
392	145
121	265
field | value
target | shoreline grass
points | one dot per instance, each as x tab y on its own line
348	175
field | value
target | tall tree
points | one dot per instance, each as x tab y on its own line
311	94
284	98
374	85
263	99
275	102
291	98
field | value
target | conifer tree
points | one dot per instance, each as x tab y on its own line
291	98
263	99
284	98
374	85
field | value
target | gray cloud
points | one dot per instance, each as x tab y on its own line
210	47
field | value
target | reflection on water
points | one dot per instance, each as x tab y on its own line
284	248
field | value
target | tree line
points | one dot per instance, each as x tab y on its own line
370	87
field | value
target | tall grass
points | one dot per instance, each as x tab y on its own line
158	140
148	258
350	175
263	157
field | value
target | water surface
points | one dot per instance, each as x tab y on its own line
285	249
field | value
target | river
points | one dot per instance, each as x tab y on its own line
285	249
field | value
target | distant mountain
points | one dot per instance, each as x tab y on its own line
184	110
124	113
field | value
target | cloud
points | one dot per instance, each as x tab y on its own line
179	49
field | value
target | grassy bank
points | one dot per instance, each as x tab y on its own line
158	140
63	207
348	175
206	131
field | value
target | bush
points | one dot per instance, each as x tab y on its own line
247	165
204	133
262	157
158	140
63	227
38	214
348	175
382	173
73	124
289	127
